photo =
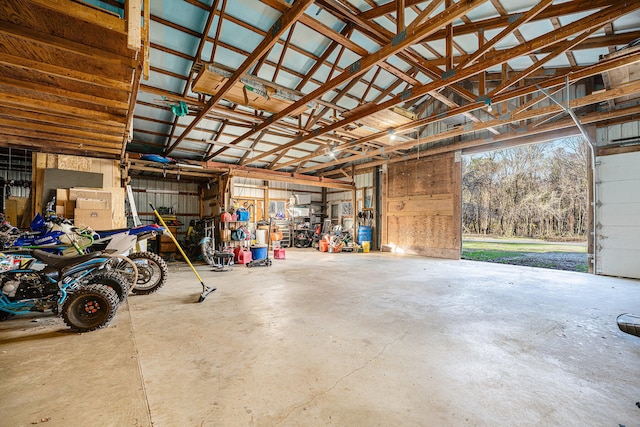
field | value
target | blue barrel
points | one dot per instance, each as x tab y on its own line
259	252
364	233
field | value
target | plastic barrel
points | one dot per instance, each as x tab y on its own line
258	252
261	237
629	323
364	233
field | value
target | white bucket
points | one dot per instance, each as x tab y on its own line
261	237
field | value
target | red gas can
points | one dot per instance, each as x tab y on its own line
243	255
278	253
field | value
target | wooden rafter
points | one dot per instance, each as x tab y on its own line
459	131
484	47
550	83
499	58
362	66
281	26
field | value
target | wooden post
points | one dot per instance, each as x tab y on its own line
265	208
354	204
133	9
400	15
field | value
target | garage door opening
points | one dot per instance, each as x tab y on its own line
527	205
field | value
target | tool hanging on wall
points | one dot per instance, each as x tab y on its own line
205	289
365	217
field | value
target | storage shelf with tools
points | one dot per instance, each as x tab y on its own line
233	231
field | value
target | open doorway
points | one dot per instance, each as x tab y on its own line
527	205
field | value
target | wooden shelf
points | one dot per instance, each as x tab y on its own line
166	244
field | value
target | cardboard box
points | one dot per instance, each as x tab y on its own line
92	204
60	210
90	193
97	219
62	195
14	209
69	209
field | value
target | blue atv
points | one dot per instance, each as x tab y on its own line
85	295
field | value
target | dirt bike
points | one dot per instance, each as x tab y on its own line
151	269
52	234
75	287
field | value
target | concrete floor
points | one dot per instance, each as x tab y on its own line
344	339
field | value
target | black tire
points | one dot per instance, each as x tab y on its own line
113	280
298	241
208	251
152	272
4	315
90	307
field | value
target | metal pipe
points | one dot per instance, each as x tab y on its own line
592	152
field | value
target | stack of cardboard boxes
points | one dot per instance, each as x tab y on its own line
87	207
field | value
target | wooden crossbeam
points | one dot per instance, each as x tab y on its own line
360	67
499	58
279	28
462	130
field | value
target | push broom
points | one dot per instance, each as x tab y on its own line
205	289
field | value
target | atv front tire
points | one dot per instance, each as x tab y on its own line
90	307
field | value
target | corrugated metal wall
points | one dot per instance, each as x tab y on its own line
364	191
182	197
245	188
16	166
17	190
607	135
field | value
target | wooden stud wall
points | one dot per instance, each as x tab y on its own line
421	204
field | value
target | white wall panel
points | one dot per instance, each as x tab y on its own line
618	215
183	197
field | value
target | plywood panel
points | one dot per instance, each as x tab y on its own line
435	204
107	170
422	207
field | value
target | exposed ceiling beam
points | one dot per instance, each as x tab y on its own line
463	130
277	30
436	116
362	66
498	58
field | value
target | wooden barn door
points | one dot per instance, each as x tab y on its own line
421	207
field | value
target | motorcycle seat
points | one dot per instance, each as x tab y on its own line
61	261
105	233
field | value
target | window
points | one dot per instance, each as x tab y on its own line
277	209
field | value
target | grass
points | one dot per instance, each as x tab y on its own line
516	247
527	253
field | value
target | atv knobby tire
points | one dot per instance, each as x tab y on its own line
90	307
152	272
114	280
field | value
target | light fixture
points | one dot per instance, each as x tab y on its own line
392	135
487	102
